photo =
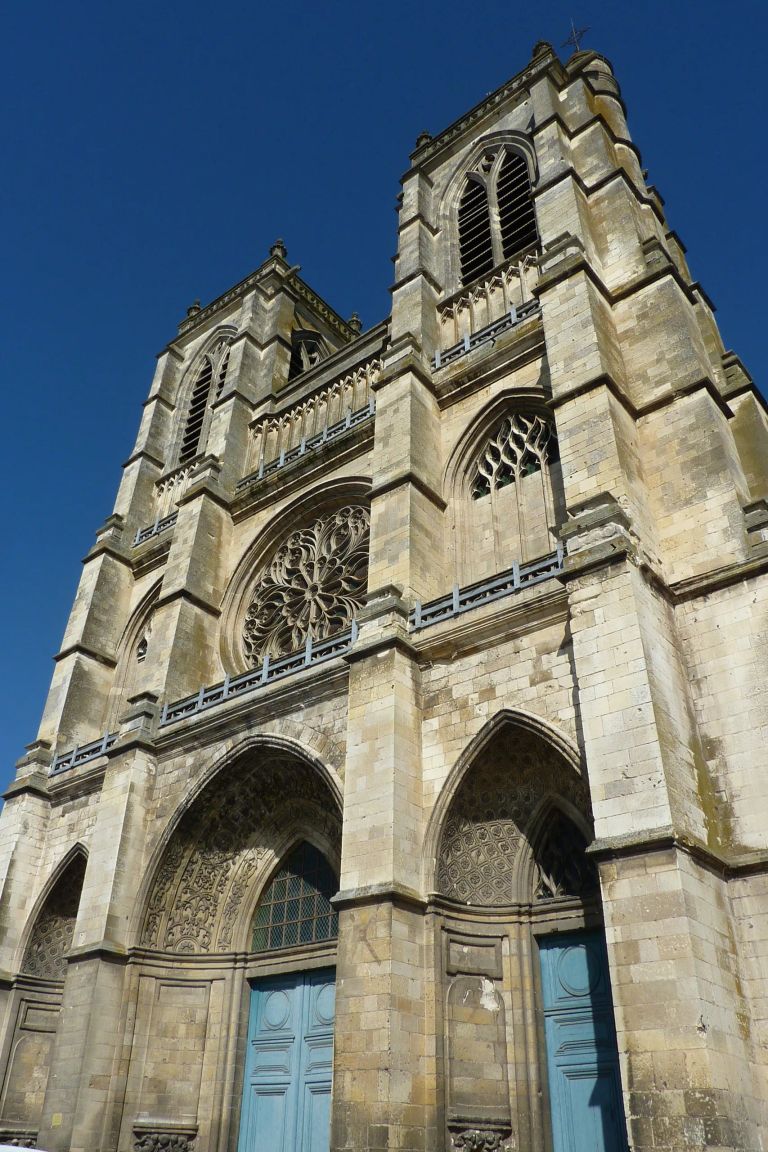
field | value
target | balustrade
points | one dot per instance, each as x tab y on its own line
483	306
276	436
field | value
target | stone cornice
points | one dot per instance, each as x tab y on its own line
510	351
304	471
89	653
646	841
278	698
604	380
390	893
290	280
192	598
529	610
513	87
408	476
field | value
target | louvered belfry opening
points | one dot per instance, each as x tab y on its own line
199	401
517	219
496	215
475	242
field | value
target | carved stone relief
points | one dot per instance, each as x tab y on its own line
312	587
210	862
163	1142
46	954
482	1140
491	812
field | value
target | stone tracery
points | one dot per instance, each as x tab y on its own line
312	587
522	444
491	814
46	954
210	862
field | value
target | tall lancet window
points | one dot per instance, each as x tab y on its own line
496	217
511	497
207	388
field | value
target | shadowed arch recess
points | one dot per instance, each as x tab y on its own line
51	938
493	818
226	844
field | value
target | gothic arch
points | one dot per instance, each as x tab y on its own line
136	630
318	502
517	534
51	924
514	141
555	817
186	386
224	843
525	724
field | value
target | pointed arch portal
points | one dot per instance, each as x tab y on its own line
524	952
289	1058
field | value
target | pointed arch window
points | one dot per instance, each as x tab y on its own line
562	866
524	443
296	907
206	389
496	217
307	350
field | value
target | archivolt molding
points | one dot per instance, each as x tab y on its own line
280	555
490	803
226	844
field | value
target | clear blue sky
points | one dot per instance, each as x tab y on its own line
154	151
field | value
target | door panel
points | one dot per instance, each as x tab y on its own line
289	1061
582	1058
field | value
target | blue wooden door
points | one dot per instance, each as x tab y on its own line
287	1084
582	1058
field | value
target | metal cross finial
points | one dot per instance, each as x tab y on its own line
575	36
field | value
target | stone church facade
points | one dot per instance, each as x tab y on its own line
403	773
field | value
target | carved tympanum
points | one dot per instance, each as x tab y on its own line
210	862
313	586
491	813
51	939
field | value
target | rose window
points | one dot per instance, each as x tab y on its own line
313	586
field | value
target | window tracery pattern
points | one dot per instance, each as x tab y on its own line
307	350
296	907
214	855
524	443
313	586
51	940
562	868
496	217
207	388
490	816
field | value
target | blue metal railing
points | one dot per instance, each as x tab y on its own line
310	444
510	319
313	652
461	600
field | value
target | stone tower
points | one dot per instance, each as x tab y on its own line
425	665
